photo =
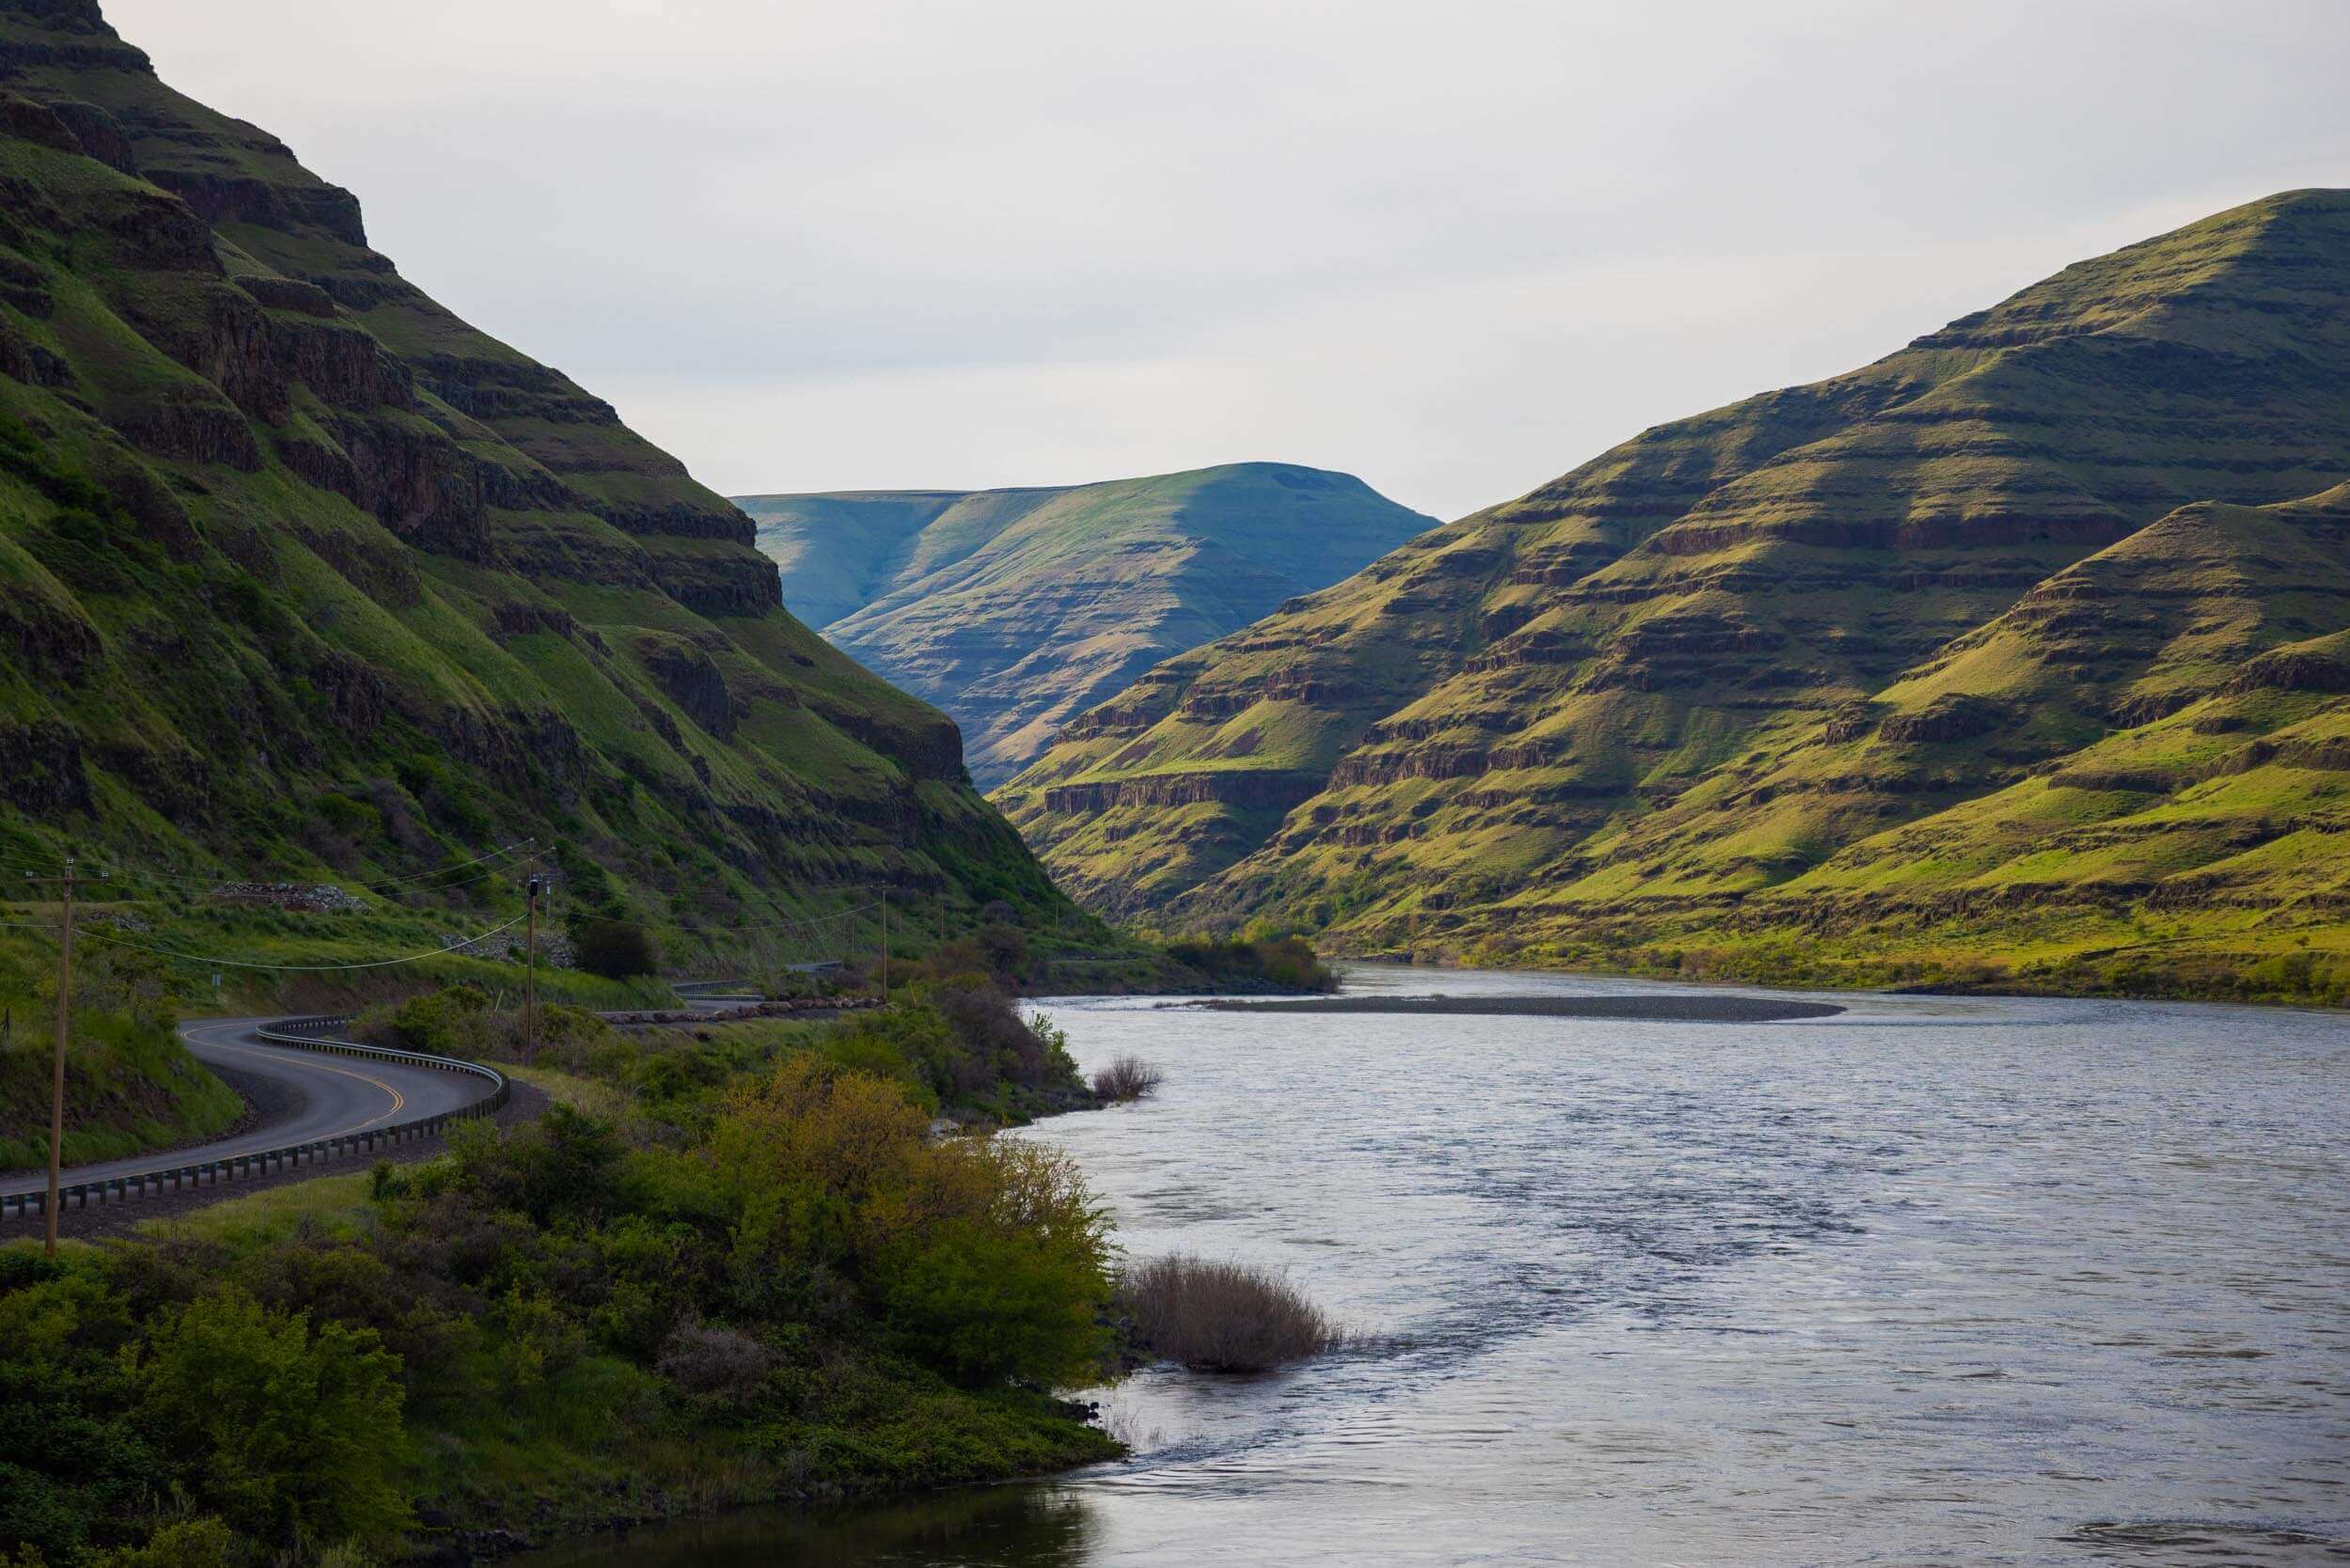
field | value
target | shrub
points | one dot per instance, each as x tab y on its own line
988	1259
565	1164
1006	947
1015	1286
1285	963
536	1339
989	1026
714	1362
570	1036
1222	1316
1127	1078
453	1022
67	1447
617	950
1291	962
186	1544
299	1429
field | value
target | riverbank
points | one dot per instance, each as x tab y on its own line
1666	1009
1785	1296
2274	967
727	1264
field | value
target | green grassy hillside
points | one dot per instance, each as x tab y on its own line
133	1088
1663	709
301	576
1014	609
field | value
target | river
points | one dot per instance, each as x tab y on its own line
1936	1281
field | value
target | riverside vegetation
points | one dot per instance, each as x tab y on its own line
729	1263
2015	659
1221	1315
132	1087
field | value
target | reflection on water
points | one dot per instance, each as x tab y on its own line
1008	1526
1935	1282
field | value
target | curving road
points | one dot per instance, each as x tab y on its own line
332	1095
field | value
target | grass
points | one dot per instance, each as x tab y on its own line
322	1208
596	1098
131	1087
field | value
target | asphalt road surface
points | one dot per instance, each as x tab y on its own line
326	1096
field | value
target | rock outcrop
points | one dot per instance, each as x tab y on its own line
297	567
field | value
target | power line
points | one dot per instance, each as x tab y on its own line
419	876
226	878
817	923
457	949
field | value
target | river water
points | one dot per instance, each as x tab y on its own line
1937	1282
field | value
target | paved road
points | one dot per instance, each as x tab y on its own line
332	1095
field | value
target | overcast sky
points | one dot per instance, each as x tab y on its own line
1456	248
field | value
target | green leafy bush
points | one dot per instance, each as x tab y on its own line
457	1021
299	1426
207	1542
987	1259
1013	1287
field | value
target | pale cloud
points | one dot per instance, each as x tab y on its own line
1455	249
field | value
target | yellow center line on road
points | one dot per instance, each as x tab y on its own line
399	1100
208	1034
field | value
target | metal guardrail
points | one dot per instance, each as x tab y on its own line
311	1034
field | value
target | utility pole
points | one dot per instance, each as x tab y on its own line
885	943
530	968
56	1077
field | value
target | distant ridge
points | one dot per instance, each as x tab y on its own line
2014	653
1013	609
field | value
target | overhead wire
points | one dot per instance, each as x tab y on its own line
227	878
452	949
807	925
817	923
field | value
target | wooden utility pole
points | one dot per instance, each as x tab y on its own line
56	1076
530	968
885	943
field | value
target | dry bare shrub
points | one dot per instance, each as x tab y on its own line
1216	1315
705	1360
1127	1078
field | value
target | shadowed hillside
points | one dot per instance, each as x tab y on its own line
1014	609
300	573
1677	695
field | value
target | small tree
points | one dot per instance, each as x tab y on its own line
617	950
